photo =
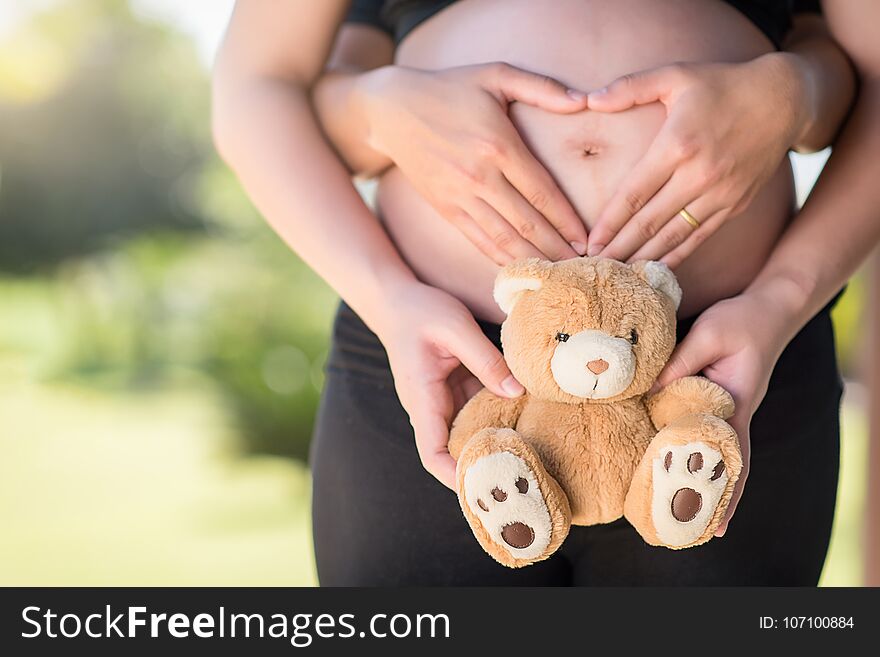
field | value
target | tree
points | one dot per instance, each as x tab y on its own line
113	149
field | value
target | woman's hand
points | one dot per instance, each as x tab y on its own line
728	127
736	344
449	133
439	357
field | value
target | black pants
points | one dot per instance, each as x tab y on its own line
381	520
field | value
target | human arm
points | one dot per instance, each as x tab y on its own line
728	127
839	224
358	49
449	132
737	342
265	128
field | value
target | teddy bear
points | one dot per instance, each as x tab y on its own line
589	441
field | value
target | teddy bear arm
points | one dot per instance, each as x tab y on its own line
485	410
687	396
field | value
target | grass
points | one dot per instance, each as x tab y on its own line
99	489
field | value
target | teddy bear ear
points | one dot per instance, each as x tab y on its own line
516	278
661	278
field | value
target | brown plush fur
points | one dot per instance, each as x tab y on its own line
591	457
688	395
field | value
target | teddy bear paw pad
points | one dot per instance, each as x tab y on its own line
688	481
502	491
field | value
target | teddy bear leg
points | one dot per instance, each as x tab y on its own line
683	484
518	512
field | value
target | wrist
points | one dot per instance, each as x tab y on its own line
393	290
783	301
791	77
369	94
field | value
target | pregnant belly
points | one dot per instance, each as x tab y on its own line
584	43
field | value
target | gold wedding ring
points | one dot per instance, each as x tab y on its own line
688	217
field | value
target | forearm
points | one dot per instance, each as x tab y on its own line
839	225
339	94
338	100
266	130
826	82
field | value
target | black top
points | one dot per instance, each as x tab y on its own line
399	17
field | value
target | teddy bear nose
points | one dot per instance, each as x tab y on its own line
597	366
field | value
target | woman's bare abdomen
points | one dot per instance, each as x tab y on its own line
585	44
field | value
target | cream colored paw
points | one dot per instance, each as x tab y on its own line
501	490
688	483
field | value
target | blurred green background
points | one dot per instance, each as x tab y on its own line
161	351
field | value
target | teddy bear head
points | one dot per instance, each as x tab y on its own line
587	329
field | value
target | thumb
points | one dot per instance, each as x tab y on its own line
632	89
477	353
694	353
515	84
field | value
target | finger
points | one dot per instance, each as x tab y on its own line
534	184
734	499
742	430
528	222
641	88
478	237
483	359
429	410
648	176
467	384
515	84
464	385
696	351
503	236
677	230
647	222
707	228
471	387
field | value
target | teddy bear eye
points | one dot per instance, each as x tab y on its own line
562	337
633	337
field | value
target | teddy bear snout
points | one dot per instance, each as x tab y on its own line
597	366
593	364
